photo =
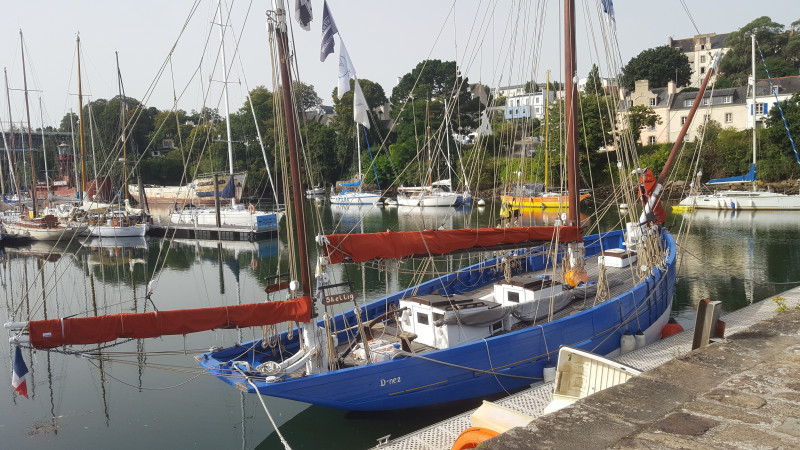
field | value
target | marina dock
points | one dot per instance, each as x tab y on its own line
739	392
222	233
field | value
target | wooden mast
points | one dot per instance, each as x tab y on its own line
80	122
30	138
294	163
570	112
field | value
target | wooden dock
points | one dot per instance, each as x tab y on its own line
208	232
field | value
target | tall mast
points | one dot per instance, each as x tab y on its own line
13	152
80	122
291	131
428	140
225	94
44	152
30	138
571	108
753	64
546	106
123	106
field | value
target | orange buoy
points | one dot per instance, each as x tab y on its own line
473	436
251	208
671	328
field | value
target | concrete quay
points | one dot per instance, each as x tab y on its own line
742	392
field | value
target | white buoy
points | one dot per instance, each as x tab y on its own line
481	202
641	341
627	343
549	373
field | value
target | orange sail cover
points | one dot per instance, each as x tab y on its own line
93	330
400	244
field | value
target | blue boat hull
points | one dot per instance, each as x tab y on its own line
504	362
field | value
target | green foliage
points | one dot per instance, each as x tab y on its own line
594	85
657	65
776	159
641	116
781	51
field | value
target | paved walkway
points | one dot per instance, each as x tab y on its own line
740	393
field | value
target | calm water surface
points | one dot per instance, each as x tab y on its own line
151	395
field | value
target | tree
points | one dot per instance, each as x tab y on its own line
531	87
771	40
777	160
594	85
641	116
306	97
657	65
65	122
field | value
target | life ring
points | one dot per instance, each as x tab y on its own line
473	436
251	208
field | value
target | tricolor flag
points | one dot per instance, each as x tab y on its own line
360	106
346	69
328	30
18	377
302	12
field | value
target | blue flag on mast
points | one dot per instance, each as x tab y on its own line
328	30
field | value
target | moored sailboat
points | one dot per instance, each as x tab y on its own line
754	199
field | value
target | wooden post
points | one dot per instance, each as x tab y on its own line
216	199
707	324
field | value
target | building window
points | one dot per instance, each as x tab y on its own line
702	70
651	140
683	120
705	102
702	58
538	110
727	99
630	103
652	102
651	128
536	100
706	118
728	117
759	108
688	103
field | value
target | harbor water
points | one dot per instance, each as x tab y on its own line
150	393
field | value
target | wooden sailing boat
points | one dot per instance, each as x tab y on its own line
754	199
538	195
483	329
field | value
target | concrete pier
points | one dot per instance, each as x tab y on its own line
740	392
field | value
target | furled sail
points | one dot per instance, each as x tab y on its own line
749	177
92	330
401	244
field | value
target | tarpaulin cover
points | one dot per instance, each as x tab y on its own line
400	244
93	330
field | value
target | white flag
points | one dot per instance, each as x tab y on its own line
360	106
346	69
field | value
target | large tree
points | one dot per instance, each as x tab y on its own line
657	65
641	116
780	49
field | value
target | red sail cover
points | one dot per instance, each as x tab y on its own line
400	244
94	330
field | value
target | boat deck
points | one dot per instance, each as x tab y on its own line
619	281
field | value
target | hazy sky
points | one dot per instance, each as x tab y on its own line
491	41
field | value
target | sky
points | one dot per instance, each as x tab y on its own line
491	41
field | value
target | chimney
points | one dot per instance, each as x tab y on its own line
671	87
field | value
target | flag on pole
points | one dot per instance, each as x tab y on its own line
328	30
18	377
360	106
608	8
346	69
302	12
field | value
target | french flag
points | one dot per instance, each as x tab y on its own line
18	378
